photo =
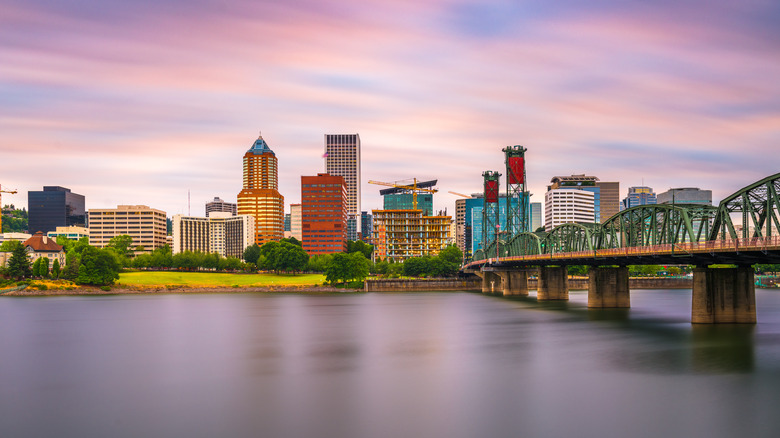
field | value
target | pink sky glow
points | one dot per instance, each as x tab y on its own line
140	102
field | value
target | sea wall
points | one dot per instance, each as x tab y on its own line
421	285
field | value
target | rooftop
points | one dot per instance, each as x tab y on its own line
260	147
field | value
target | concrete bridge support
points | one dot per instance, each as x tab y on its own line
723	295
553	283
514	282
491	283
608	287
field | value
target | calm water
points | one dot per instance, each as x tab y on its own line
383	365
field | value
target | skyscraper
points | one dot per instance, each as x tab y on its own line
638	196
579	182
686	195
324	214
219	205
260	194
54	207
342	158
610	199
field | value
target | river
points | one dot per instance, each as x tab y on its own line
383	365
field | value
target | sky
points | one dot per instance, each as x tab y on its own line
145	101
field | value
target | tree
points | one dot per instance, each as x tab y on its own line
122	245
19	265
43	269
36	268
292	240
417	266
347	267
319	262
55	269
252	253
361	247
290	257
7	246
97	267
451	254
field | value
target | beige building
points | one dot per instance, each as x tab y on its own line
403	234
296	222
260	197
72	233
220	233
39	246
147	226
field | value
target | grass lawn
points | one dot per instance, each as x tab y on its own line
215	279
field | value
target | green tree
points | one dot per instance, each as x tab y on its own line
8	245
97	267
319	262
36	268
230	264
451	254
292	240
55	269
361	247
122	244
290	257
19	265
142	261
417	266
347	267
252	253
162	257
43	269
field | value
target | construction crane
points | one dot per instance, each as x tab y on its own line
12	192
414	188
459	194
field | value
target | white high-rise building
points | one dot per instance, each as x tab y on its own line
221	233
342	158
296	221
564	206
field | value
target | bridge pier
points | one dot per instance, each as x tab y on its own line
723	295
553	283
491	283
608	287
514	282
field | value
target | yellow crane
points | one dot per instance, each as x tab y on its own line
459	194
12	192
412	188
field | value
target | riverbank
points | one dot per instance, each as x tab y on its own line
157	290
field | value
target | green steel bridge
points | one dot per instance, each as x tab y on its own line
743	230
656	234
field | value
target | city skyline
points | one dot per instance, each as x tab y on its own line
127	104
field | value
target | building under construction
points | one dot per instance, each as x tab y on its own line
409	231
403	234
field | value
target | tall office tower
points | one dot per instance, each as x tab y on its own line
296	222
536	216
221	206
54	207
220	233
324	214
610	199
287	222
147	226
638	196
342	158
367	224
686	195
260	194
568	205
579	182
460	224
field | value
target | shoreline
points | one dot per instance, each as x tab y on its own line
160	290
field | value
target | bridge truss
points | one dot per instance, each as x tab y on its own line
661	225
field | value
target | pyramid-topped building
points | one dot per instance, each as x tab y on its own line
260	196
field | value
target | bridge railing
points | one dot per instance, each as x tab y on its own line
710	246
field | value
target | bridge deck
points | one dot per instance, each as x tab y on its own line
730	251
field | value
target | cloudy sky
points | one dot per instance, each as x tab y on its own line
139	102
